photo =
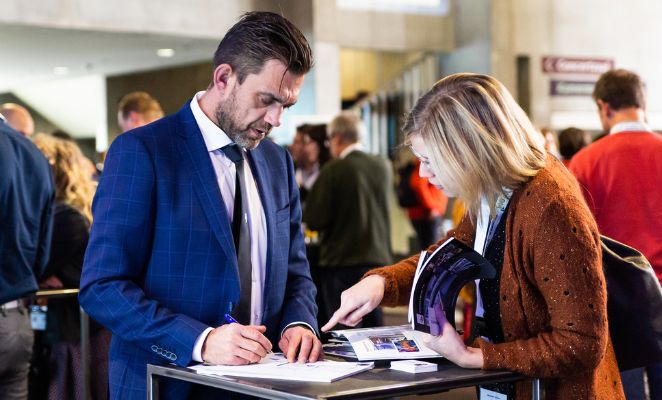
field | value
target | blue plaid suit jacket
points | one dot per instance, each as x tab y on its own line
161	267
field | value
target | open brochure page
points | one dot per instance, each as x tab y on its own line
275	366
438	282
385	343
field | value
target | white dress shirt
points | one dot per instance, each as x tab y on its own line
225	169
630	126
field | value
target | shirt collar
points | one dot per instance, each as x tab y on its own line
630	126
213	136
350	148
2	118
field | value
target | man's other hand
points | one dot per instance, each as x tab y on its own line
301	345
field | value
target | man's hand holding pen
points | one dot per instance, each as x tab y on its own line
235	344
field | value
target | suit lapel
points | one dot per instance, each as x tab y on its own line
196	159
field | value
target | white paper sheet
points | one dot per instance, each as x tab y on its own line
275	366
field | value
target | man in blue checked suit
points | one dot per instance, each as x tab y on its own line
192	202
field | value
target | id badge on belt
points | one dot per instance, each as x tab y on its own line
38	317
486	394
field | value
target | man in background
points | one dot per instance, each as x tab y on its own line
620	176
348	205
136	109
26	218
19	118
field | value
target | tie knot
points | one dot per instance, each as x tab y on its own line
233	152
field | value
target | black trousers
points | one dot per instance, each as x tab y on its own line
332	282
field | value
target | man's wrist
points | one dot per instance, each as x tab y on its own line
298	323
199	346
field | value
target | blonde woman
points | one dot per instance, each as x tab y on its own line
74	190
544	314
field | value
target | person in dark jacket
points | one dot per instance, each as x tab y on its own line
348	205
26	195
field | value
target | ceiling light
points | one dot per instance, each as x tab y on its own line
60	70
165	53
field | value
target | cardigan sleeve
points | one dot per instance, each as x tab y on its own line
563	261
399	277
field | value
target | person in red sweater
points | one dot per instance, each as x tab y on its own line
426	215
620	177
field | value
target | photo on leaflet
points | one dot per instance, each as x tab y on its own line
400	343
406	346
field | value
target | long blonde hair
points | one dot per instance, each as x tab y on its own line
73	184
480	141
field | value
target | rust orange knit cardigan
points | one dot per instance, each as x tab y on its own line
553	293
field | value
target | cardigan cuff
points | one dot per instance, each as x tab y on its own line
492	358
390	289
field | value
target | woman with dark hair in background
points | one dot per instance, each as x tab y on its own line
571	140
310	151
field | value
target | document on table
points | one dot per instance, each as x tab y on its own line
383	343
275	366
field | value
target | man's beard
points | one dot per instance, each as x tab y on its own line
226	115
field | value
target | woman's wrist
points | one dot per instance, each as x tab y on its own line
472	358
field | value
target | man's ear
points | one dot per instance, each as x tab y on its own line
224	78
604	109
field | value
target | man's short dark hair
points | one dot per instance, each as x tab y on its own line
620	88
261	36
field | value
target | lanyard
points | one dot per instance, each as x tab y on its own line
485	228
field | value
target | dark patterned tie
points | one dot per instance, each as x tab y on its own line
241	235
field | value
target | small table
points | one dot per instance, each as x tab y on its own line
374	384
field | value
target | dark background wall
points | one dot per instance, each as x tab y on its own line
172	87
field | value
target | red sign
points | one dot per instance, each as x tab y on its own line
571	65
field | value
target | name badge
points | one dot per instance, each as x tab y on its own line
491	395
38	318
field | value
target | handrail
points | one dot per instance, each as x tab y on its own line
84	333
55	293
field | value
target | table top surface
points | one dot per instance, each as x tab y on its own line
373	384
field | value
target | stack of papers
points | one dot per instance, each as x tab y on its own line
275	366
413	366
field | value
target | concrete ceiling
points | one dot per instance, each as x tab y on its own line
29	55
52	69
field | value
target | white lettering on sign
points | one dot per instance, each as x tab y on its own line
571	88
594	66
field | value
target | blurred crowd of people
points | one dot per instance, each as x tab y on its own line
51	356
346	194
